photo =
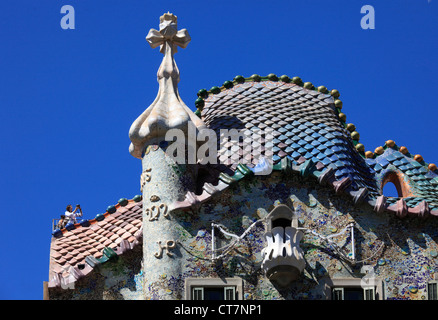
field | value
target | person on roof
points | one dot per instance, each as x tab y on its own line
62	222
71	215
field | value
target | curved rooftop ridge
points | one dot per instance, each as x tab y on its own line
404	150
231	100
303	124
325	176
203	94
76	251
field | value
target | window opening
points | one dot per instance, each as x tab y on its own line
353	293
281	222
390	190
432	291
214	293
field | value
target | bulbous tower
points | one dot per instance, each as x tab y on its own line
164	179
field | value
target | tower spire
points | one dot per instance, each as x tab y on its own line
168	111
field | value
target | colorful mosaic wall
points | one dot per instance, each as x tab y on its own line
401	253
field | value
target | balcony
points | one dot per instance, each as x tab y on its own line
283	260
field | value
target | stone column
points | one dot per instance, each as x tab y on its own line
162	258
165	178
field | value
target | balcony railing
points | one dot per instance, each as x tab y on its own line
283	259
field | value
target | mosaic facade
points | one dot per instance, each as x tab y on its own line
402	253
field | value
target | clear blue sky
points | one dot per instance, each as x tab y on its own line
68	97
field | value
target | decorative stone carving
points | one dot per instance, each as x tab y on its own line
168	111
155	211
170	244
283	259
145	177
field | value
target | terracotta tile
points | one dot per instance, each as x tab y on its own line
122	210
63	245
121	231
118	222
114	237
126	236
68	256
82	249
57	268
109	234
55	254
123	224
105	234
88	231
129	205
132	229
78	245
55	246
116	215
78	230
85	239
94	227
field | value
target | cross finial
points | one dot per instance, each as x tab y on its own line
168	111
168	34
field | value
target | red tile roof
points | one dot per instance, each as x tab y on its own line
74	253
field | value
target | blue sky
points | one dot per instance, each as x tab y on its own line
68	97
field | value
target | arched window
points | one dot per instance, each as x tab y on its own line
390	190
395	180
282	216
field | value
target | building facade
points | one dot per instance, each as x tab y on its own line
264	192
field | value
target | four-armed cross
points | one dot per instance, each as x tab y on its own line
168	34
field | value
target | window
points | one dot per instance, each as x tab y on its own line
214	289
432	291
281	216
353	289
353	293
214	293
281	222
390	190
393	185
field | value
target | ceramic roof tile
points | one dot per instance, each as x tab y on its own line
71	248
310	118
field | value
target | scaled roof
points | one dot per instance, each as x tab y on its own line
76	250
311	137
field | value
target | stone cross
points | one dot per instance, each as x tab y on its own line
168	34
168	111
